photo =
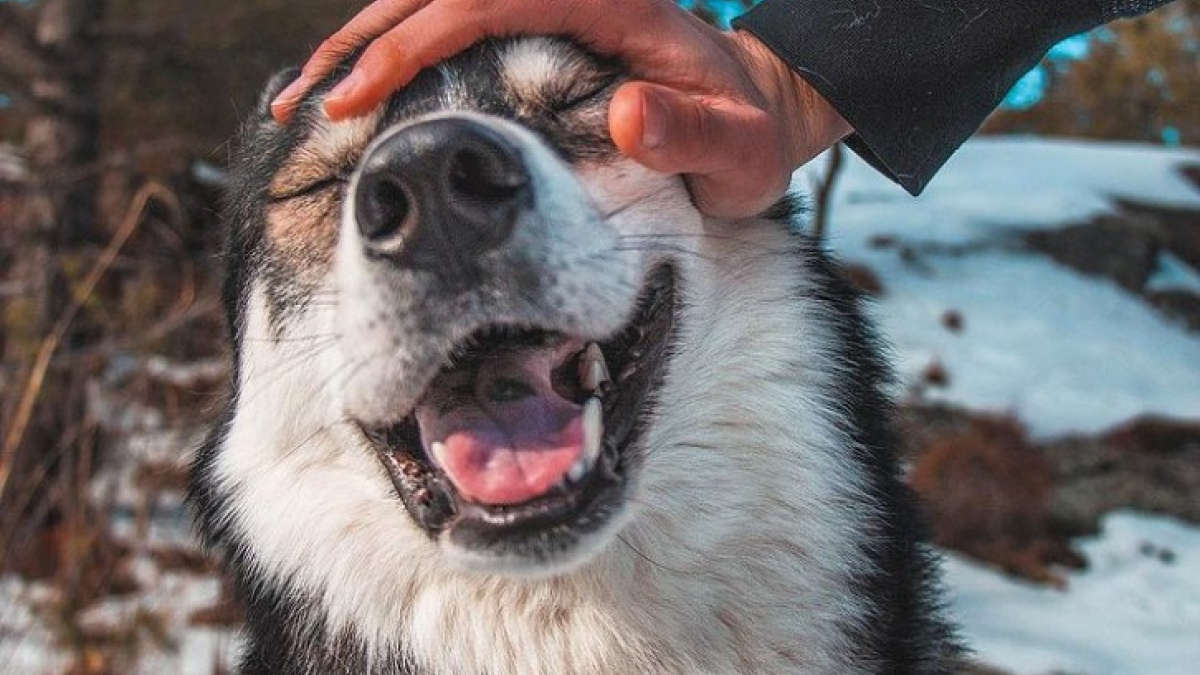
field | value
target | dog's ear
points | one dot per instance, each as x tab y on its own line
275	85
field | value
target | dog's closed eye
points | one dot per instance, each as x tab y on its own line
285	191
583	92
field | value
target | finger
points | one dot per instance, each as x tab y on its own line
444	28
370	23
730	151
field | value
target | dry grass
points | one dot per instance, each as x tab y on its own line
988	492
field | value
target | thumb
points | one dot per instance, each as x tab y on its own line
729	150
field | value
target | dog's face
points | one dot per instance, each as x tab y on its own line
473	287
498	385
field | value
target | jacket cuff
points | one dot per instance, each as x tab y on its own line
915	80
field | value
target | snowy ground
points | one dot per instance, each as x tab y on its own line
28	647
29	632
1135	611
1065	353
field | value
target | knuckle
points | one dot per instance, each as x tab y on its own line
699	128
339	44
470	10
482	15
389	43
330	52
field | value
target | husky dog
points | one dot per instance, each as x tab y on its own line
506	403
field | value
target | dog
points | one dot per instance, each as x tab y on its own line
506	402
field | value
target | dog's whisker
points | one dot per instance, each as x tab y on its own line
711	237
666	248
324	338
625	540
640	200
299	445
269	377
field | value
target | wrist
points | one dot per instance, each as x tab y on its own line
808	123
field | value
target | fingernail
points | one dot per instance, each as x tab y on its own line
345	88
289	94
654	121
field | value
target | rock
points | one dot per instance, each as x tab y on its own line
862	278
1122	249
1150	464
1179	305
1178	230
952	320
988	492
1125	248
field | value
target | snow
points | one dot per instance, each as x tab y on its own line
1174	274
1009	182
1064	352
29	647
1136	610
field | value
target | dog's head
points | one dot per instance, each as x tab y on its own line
472	286
474	342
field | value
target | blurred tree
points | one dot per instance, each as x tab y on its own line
1140	81
51	63
175	77
99	95
181	75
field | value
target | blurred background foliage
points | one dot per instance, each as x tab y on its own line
1133	80
179	75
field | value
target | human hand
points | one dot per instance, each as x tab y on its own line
717	107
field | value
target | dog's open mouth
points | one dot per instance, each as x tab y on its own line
526	432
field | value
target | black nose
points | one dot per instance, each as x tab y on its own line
440	193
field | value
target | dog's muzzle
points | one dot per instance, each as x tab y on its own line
499	344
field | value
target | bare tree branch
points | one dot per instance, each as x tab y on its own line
20	56
825	191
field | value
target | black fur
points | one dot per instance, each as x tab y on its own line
906	635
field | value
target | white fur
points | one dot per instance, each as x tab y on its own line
529	65
739	544
740	563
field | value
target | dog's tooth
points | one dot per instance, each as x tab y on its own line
597	375
595	370
593	430
438	450
577	470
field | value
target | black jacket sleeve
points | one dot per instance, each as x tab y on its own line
915	78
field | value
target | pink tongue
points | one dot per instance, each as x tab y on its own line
506	437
